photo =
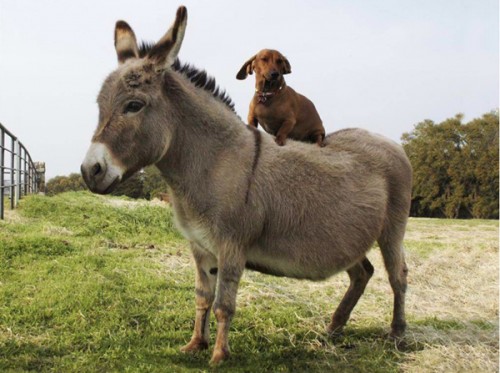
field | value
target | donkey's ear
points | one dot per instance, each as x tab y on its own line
287	69
246	69
166	50
125	42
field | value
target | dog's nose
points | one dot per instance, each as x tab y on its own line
275	75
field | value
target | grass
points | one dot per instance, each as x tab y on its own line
98	284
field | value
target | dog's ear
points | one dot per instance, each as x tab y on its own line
246	69
286	69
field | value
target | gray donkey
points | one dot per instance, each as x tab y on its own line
242	201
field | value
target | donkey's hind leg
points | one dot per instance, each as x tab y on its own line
392	250
359	275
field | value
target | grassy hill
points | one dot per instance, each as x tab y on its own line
99	284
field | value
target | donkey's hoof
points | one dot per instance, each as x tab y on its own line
398	331
335	331
219	356
399	342
195	345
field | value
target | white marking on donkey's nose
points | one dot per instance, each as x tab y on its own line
99	169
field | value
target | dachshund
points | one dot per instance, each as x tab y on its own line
279	109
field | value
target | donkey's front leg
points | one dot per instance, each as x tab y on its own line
206	276
231	265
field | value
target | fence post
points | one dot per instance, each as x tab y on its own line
12	176
30	180
40	177
18	194
2	171
20	169
25	172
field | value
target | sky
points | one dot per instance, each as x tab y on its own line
382	65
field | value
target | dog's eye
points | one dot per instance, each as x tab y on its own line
279	61
265	59
133	107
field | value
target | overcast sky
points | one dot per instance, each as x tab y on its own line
382	65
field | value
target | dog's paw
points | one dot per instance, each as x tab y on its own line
280	141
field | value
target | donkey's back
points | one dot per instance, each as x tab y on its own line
322	209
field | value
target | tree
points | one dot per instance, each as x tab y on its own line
482	150
154	183
147	183
132	187
455	167
60	184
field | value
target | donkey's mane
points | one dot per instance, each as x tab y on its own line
198	77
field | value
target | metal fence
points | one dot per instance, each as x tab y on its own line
18	175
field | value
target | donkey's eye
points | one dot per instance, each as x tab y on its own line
133	107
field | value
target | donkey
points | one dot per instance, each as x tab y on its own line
242	201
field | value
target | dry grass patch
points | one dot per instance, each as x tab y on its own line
456	358
452	299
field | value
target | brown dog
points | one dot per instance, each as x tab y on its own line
277	107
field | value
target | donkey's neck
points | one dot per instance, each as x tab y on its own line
207	135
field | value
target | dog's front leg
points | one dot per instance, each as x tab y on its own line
231	263
206	276
319	138
252	120
284	131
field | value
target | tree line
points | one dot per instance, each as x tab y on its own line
455	170
455	167
146	184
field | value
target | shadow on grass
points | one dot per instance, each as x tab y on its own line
27	356
358	349
361	350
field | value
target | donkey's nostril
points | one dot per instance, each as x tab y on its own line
96	169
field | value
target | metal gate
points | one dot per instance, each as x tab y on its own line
18	175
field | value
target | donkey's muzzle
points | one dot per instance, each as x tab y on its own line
98	170
93	176
96	179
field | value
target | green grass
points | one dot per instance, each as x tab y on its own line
98	284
